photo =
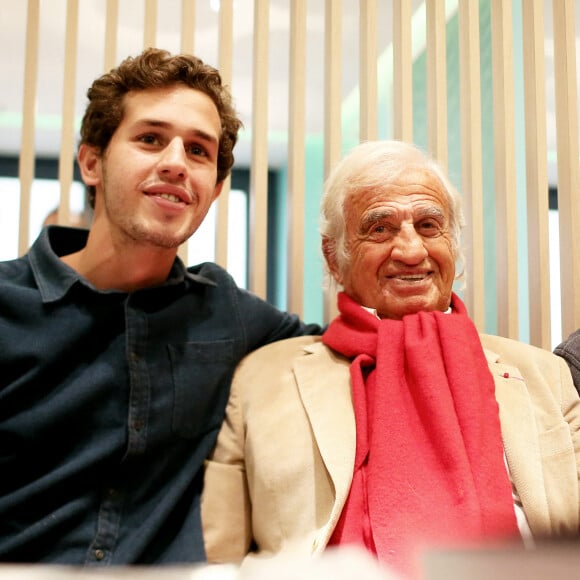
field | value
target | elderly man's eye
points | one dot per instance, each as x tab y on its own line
428	228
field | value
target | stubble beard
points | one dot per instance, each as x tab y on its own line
139	233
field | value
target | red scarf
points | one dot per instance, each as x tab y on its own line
429	465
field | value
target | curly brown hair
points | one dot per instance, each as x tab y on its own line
155	68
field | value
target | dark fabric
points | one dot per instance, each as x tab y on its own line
109	403
429	465
569	350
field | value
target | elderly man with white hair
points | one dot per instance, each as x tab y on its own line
401	428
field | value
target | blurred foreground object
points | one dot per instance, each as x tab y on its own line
545	561
57	572
335	564
340	563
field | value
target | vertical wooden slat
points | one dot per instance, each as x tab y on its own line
259	168
26	160
536	172
187	47
368	71
150	29
296	157
111	26
505	175
437	80
332	112
567	145
225	57
402	71
67	150
471	159
332	84
188	26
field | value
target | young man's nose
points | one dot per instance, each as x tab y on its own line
173	159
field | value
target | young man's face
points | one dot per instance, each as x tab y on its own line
401	255
157	178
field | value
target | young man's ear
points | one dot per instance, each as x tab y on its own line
329	252
89	161
217	190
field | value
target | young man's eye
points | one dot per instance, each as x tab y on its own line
197	150
148	139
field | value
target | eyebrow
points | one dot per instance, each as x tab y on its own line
432	211
198	133
378	215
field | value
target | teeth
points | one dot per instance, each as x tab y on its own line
170	197
411	278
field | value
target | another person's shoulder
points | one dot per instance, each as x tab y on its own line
569	350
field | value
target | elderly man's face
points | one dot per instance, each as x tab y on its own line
401	257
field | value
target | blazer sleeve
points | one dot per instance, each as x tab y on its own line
225	502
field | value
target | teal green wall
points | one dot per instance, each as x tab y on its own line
313	263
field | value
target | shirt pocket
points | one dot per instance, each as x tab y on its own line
202	373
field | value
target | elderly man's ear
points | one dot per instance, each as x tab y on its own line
329	252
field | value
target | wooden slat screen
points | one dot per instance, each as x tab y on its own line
225	58
472	170
568	176
366	36
259	169
67	149
536	172
505	170
296	155
26	161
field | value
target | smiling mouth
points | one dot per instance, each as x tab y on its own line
169	197
409	277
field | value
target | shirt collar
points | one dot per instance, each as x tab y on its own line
54	278
373	311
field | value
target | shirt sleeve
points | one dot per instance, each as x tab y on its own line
265	323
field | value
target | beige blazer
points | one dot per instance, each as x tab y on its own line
282	468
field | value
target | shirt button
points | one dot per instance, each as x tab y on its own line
99	554
138	425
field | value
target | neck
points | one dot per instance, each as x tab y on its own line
126	266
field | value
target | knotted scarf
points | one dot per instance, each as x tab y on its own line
429	465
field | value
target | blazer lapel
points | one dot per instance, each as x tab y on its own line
324	384
520	439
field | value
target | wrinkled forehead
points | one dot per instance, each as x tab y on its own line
409	185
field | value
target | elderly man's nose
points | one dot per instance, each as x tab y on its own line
409	246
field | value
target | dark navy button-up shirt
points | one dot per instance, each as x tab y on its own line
110	402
